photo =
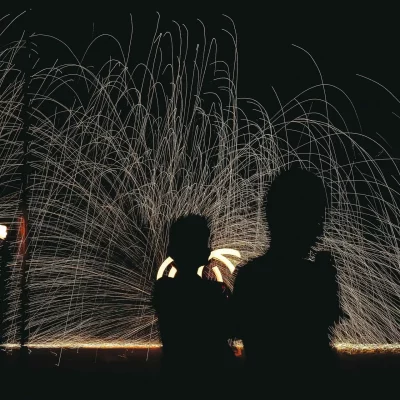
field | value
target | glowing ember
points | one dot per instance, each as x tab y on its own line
218	254
3	232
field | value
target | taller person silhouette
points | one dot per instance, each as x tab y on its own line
192	312
284	304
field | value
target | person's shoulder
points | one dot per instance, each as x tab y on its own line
164	280
253	266
308	264
222	288
325	263
162	289
218	287
164	283
217	291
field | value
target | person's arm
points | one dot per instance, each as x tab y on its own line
236	306
326	261
223	312
155	298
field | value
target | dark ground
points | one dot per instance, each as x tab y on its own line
116	373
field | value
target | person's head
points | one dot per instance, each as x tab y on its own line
295	207
189	238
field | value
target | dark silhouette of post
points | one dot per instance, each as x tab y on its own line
4	258
25	173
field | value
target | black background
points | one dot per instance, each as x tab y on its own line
343	41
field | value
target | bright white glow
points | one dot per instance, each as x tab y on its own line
224	260
84	345
216	254
227	252
172	272
163	267
3	232
367	348
342	347
218	274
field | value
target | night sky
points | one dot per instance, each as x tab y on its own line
343	41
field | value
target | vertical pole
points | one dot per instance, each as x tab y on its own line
4	255
25	171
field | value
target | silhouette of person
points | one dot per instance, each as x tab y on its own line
192	312
284	304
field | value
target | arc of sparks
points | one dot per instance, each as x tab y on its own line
218	254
